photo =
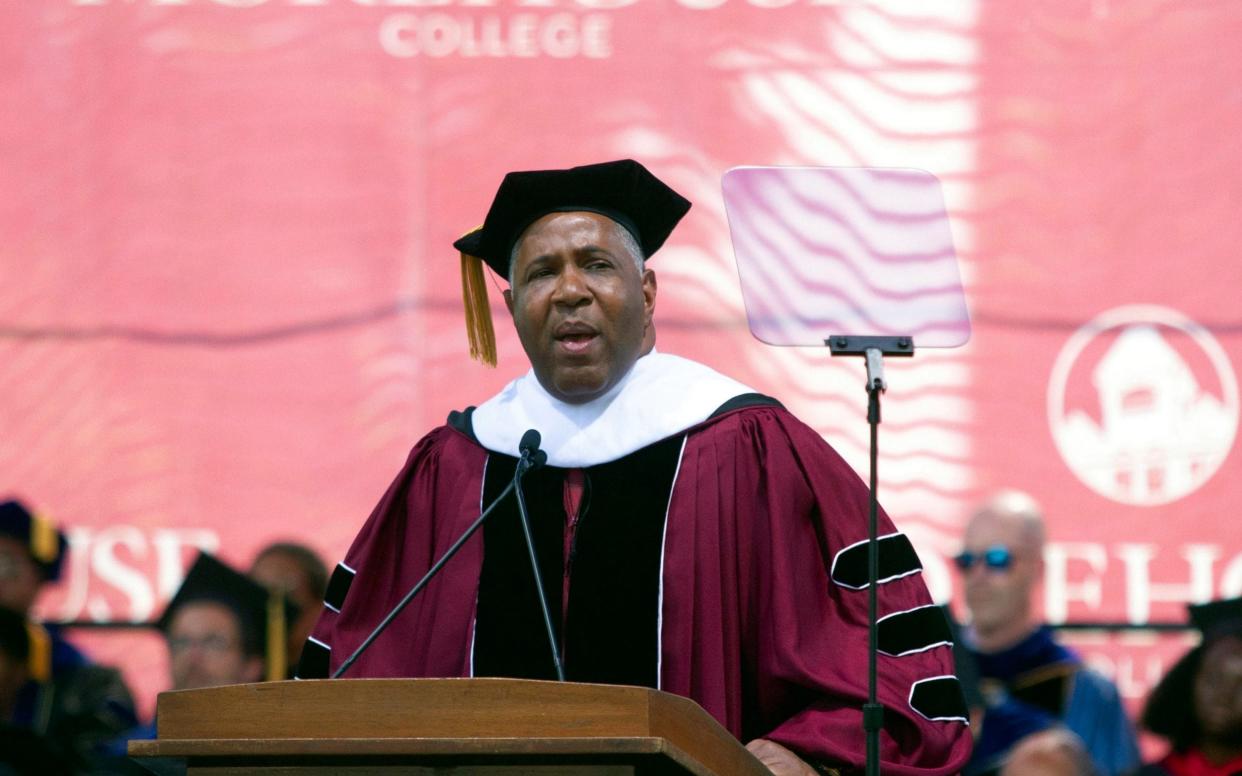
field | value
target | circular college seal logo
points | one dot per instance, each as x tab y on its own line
1143	405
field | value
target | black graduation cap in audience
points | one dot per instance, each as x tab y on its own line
1216	616
265	615
622	190
1169	710
46	544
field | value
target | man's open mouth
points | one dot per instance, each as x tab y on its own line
575	337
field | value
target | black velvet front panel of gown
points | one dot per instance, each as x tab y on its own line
611	629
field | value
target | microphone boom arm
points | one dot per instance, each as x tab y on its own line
423	582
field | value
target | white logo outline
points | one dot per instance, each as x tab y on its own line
1138	323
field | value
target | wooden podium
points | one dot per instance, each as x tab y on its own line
504	727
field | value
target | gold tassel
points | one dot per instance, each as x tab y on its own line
277	638
44	544
479	329
39	663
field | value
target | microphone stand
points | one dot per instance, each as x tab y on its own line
873	349
529	460
521	470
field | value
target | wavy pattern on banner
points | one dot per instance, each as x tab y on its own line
845	251
895	86
169	214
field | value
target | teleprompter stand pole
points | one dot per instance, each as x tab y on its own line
873	349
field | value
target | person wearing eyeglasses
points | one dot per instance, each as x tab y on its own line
1029	683
221	627
219	630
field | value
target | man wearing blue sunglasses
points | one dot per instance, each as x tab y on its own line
1028	681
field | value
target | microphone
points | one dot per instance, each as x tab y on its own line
529	442
529	455
531	458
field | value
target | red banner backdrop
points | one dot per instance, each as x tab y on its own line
229	305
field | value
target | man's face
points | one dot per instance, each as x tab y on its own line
1218	691
20	578
205	648
579	304
998	597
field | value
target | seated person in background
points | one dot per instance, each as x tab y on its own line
298	572
217	628
65	697
1197	706
1028	681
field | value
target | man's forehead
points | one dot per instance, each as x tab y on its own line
575	226
997	526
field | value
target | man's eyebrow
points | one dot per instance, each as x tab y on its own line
596	249
541	258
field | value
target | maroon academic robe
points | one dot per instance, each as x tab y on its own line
762	600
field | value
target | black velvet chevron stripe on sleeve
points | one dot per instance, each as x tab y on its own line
897	559
315	660
914	630
338	587
939	699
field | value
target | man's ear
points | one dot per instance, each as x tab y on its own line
508	295
649	293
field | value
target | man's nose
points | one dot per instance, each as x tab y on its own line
571	288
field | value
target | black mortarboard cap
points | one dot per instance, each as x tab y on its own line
623	190
1216	616
47	545
264	615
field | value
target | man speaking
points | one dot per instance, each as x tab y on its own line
691	534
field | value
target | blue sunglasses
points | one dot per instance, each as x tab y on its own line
997	557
